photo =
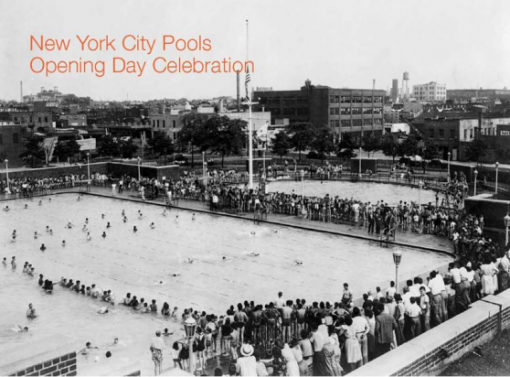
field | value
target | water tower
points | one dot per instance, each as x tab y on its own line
405	86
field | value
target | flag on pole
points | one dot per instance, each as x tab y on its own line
247	82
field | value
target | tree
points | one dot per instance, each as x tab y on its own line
191	132
431	149
346	146
409	147
223	135
33	153
161	144
371	143
65	149
108	146
127	149
389	145
323	141
281	144
477	150
301	135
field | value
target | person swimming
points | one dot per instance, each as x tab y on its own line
153	226
42	248
103	235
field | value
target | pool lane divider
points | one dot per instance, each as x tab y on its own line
294	226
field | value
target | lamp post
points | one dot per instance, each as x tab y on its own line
449	154
7	172
397	257
497	169
189	327
506	220
360	162
139	174
476	174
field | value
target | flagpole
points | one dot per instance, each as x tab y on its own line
250	136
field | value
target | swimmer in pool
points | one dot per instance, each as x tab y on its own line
153	226
103	235
108	226
134	229
42	248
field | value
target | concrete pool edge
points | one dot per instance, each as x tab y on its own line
300	227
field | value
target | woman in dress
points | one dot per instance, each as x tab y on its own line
352	347
487	272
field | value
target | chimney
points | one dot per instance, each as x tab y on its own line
238	97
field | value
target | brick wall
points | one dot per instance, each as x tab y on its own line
60	366
434	350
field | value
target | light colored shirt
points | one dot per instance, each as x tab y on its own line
436	285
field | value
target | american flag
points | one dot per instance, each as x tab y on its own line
246	82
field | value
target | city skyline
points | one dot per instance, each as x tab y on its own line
339	44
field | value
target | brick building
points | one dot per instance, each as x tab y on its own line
345	110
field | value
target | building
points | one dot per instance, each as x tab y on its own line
356	111
431	92
11	143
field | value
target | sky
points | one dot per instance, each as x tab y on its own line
340	43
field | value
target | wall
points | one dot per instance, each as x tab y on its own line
43	360
435	350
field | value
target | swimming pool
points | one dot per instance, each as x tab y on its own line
125	261
363	191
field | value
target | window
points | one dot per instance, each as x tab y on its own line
345	110
345	99
15	138
432	134
356	99
334	111
334	99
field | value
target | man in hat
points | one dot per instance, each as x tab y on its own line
157	347
246	365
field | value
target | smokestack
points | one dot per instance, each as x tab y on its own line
238	96
21	91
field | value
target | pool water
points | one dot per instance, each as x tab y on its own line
363	191
144	263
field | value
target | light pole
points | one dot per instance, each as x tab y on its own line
88	166
189	327
506	220
139	174
449	154
420	185
7	172
359	162
497	169
476	174
397	257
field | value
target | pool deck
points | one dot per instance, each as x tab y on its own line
426	242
